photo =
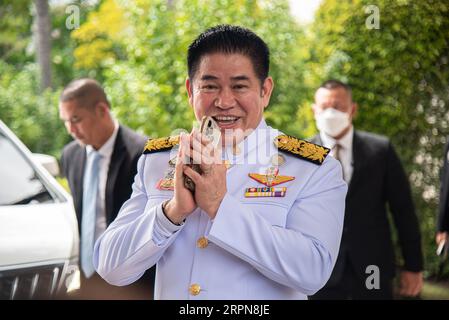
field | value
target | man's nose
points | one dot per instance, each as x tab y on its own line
71	128
225	99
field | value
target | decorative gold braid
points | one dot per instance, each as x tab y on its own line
161	144
301	148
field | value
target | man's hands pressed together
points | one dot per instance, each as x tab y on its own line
210	185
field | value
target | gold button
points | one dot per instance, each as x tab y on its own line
195	289
202	242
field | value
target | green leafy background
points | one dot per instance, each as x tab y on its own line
399	73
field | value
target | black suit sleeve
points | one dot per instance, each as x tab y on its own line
443	215
401	206
62	164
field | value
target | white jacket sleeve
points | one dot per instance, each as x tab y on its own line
136	239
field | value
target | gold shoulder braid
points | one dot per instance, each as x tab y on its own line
301	149
160	144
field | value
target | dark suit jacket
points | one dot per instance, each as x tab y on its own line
378	179
128	148
123	167
443	216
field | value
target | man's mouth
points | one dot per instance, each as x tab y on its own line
225	121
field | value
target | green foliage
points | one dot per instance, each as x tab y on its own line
435	291
100	35
147	84
32	117
15	26
400	79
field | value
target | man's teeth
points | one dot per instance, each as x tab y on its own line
225	118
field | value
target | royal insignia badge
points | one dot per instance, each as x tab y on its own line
270	180
166	184
168	181
172	162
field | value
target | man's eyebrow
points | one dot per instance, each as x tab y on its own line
208	77
71	118
212	77
240	78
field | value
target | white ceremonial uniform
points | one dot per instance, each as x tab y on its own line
257	248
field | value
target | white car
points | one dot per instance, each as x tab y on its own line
38	227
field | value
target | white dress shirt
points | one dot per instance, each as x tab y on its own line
106	152
345	152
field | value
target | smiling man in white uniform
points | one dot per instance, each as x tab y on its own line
265	218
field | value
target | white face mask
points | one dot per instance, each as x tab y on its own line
332	121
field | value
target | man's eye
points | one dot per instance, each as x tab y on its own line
240	86
208	87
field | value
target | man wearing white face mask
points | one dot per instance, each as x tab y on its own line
365	267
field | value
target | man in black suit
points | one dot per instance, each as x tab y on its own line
443	216
100	166
365	267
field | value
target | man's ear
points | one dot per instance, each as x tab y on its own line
102	108
189	88
355	107
266	91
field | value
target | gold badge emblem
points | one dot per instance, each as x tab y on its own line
270	181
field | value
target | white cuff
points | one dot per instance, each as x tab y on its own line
163	227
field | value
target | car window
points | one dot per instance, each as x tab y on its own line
19	182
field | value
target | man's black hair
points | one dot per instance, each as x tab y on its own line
335	84
229	39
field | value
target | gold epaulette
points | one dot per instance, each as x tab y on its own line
160	144
301	148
